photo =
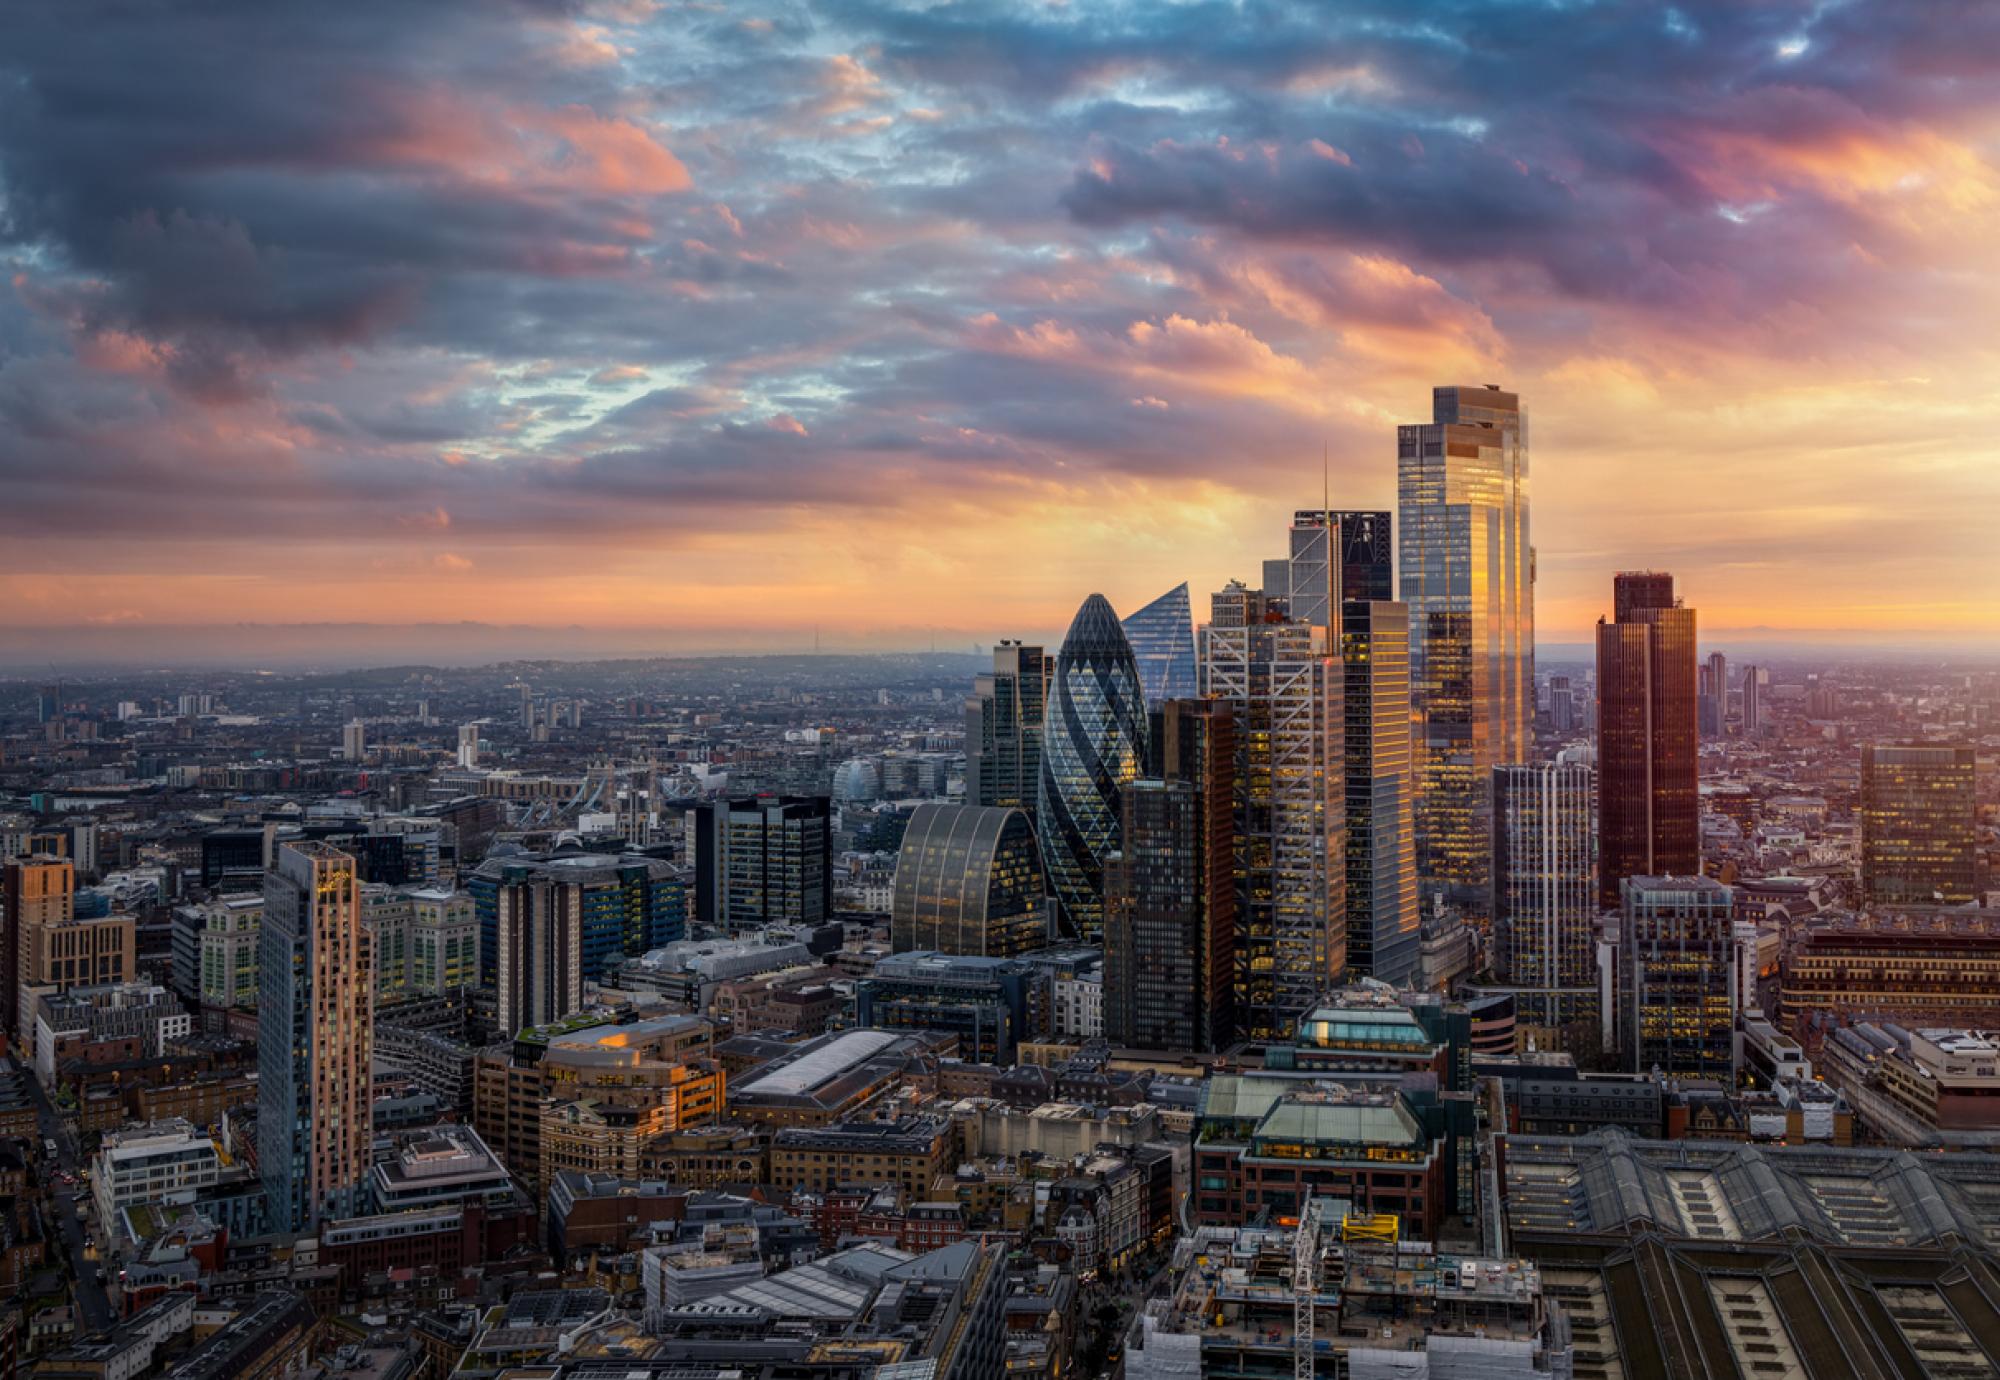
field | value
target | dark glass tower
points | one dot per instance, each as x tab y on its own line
1003	729
1648	809
1675	1003
1093	742
1361	545
1170	892
1382	915
1162	638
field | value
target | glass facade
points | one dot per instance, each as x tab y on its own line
1003	729
1094	741
1291	892
1468	575
1162	638
1362	552
765	860
1676	999
1383	941
1169	929
1544	889
1919	825
1648	807
969	881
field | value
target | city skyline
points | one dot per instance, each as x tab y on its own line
739	328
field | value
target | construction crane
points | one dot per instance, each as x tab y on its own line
1305	1289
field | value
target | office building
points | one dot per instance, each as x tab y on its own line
1003	729
1334	556
969	881
354	741
1712	695
1756	701
561	921
1648	808
468	746
1285	691
767	860
1673	998
1162	638
1170	902
1919	970
1545	891
1468	572
990	1004
315	1038
1380	785
1095	742
444	941
1562	705
1919	825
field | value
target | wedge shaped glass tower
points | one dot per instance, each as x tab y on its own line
1093	743
1162	638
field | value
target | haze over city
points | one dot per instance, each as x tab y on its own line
722	328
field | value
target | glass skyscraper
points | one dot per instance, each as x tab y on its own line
1468	574
1003	729
1285	689
1675	1000
1383	921
1648	809
1360	544
1093	742
1162	638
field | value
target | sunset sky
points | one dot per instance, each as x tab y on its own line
735	319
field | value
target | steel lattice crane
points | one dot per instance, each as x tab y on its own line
1305	1288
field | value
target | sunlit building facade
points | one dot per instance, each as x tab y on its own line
969	881
1648	805
1285	689
1545	890
1919	824
1468	574
1094	742
1383	940
1162	638
1003	729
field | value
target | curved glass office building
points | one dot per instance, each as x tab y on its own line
1093	742
1162	638
969	881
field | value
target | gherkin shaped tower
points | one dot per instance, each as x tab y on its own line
1093	743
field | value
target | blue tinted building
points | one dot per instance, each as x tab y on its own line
1162	639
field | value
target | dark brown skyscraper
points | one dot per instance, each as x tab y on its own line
1648	812
1170	891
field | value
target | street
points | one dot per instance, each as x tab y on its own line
93	1307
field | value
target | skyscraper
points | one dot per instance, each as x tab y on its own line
1648	808
1675	992
1360	547
315	1038
1162	638
1170	891
1468	574
765	860
1003	729
1285	690
468	746
1381	859
354	741
1545	890
969	881
1713	704
1562	704
1093	743
1756	687
1919	825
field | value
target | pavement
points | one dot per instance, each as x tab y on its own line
92	1303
